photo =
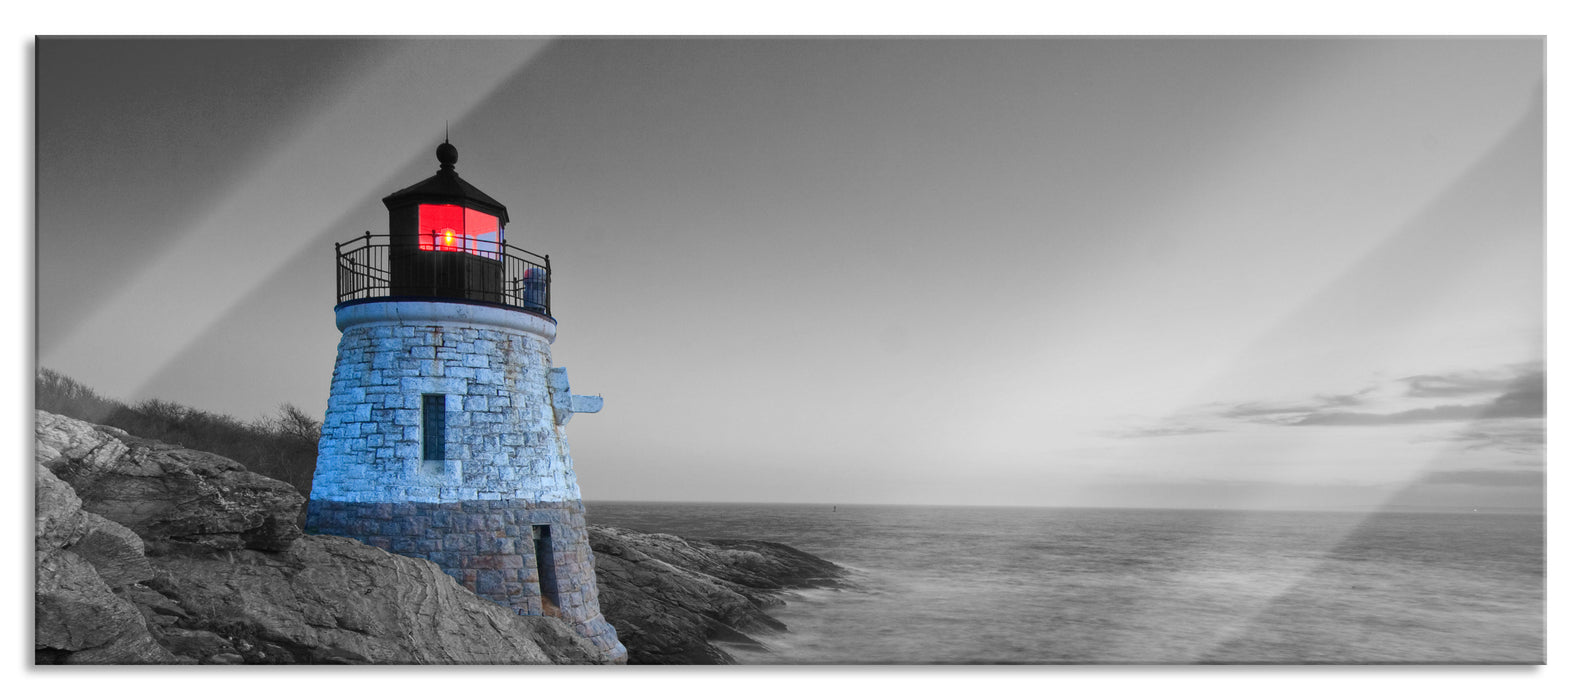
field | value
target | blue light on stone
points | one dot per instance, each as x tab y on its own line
484	374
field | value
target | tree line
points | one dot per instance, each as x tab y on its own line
282	446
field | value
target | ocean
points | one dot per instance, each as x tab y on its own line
970	585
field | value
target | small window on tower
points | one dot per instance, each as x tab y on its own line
433	427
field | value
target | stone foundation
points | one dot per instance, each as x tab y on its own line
490	548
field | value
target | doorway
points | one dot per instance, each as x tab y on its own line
544	553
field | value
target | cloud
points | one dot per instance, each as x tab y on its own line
1166	431
1352	399
1526	398
1262	409
1524	478
1523	397
1511	436
1284	412
1431	385
1416	415
1467	383
1510	416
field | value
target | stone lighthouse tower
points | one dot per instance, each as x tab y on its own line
444	438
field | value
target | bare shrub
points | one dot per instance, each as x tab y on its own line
284	446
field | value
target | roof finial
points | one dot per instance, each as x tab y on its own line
446	153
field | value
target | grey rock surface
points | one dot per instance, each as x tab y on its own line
77	616
334	600
674	600
148	553
169	495
226	580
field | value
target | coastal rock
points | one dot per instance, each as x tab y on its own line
115	552
229	582
168	555
169	495
78	557
334	600
673	600
77	619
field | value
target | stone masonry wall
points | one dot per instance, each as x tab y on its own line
506	463
501	437
488	546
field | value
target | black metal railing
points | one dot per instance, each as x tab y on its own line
489	272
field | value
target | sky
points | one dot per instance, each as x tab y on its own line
1148	272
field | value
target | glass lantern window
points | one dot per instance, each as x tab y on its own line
456	228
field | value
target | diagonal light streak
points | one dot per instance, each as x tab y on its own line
283	204
1268	595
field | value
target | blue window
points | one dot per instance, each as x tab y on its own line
433	426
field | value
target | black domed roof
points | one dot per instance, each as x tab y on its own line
446	187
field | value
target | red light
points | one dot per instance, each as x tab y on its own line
451	227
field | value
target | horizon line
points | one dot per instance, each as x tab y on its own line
1353	509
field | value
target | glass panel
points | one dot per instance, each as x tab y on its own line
433	426
483	234
453	227
439	226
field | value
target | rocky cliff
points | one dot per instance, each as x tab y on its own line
152	553
672	600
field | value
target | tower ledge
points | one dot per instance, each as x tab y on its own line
421	312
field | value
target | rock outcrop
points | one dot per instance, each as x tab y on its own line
148	553
77	615
334	600
151	553
675	600
169	495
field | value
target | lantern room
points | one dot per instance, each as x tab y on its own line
447	238
446	243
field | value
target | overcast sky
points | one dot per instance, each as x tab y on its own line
1139	272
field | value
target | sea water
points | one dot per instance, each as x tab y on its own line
963	585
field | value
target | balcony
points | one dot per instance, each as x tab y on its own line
370	268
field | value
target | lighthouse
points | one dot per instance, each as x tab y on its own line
444	437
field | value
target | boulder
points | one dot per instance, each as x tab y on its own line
169	495
77	619
78	558
334	600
